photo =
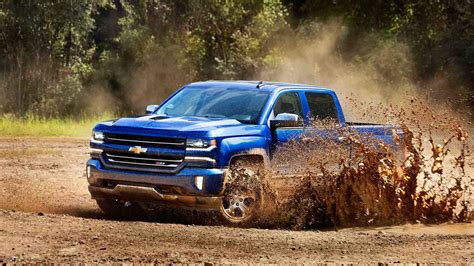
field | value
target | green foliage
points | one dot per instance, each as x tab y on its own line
143	68
231	36
44	45
165	44
63	58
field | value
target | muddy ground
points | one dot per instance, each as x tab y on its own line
46	215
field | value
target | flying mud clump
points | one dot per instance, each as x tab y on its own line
333	176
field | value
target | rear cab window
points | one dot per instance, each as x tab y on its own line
322	107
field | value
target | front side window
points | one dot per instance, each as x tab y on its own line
321	106
288	103
244	105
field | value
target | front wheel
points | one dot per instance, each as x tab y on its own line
243	196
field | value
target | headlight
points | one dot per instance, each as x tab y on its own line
98	136
200	143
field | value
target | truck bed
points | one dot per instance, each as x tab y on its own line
380	131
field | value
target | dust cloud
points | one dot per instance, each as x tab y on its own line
369	70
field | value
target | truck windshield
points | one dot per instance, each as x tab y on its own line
243	105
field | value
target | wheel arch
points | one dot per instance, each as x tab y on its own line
250	157
252	147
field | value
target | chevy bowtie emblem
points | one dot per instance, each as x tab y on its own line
137	149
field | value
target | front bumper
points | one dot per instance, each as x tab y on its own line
149	194
168	189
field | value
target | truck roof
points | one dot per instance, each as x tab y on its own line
248	84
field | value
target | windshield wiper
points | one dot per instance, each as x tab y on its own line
245	121
212	116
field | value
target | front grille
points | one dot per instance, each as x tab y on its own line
148	141
163	155
141	162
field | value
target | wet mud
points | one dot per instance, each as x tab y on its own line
426	177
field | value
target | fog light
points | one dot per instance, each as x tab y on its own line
88	171
199	181
94	150
95	153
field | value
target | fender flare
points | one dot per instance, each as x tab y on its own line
234	147
260	152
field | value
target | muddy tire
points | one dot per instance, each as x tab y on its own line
119	211
243	196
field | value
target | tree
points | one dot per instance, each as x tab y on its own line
45	48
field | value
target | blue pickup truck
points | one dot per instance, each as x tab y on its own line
180	153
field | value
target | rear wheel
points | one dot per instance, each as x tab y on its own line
121	210
243	195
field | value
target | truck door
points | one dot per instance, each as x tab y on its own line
287	103
325	125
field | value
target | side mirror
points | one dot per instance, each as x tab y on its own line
151	109
285	120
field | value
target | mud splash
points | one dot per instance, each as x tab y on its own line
359	180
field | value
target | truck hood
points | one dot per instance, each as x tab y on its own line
183	126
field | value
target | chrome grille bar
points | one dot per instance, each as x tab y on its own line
149	142
144	164
141	158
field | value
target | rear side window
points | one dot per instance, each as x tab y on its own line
321	106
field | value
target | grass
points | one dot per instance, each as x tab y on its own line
41	127
25	153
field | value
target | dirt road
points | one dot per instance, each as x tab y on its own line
46	215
